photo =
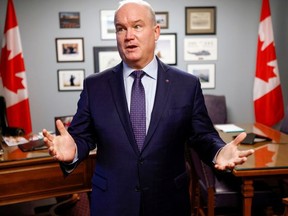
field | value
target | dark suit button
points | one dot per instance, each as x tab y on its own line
141	161
137	189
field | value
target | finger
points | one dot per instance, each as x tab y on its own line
47	142
219	167
61	128
228	166
239	138
51	151
46	134
246	153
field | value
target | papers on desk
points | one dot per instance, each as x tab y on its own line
14	140
229	128
32	143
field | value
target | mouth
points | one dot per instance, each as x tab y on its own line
131	47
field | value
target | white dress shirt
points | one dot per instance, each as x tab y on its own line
149	82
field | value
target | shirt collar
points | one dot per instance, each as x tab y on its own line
150	69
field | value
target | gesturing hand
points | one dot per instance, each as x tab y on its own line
62	147
230	155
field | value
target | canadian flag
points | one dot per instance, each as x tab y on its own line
267	95
13	75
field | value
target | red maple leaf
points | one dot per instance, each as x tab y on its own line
9	69
263	70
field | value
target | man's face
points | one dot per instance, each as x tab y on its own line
136	35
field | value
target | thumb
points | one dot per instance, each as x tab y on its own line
239	138
61	128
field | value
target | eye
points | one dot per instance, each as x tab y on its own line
138	27
119	29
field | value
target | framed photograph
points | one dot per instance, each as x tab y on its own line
71	79
196	49
107	25
205	73
69	19
162	19
166	48
200	20
66	120
70	49
105	57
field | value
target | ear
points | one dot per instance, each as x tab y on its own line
157	32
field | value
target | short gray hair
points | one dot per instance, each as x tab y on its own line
140	2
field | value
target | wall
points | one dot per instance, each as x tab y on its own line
237	29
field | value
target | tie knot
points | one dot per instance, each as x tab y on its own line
138	74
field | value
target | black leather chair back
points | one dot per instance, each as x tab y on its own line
284	124
3	119
217	108
4	127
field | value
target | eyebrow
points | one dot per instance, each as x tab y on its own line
135	21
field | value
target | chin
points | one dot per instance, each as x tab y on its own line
132	58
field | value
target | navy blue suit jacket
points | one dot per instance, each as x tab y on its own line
126	180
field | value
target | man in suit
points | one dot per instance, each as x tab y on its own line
150	180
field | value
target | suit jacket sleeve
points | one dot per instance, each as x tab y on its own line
204	137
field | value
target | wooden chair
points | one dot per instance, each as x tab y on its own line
217	111
210	190
71	205
284	129
285	202
220	192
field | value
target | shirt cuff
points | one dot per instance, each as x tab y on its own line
69	167
216	155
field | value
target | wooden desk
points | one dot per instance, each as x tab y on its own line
269	160
35	175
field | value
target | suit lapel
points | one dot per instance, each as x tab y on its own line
118	92
162	93
161	97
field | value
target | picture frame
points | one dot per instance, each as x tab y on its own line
162	18
69	19
205	73
66	120
198	49
108	31
166	48
70	79
69	49
105	57
200	20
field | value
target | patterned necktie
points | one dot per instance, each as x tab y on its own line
137	108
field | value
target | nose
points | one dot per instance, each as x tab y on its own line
130	33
